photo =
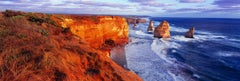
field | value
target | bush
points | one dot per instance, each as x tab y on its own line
4	32
39	21
17	17
43	32
11	13
21	36
65	30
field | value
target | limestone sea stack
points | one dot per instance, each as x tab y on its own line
162	31
190	33
150	27
135	24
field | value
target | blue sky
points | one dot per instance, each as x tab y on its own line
159	8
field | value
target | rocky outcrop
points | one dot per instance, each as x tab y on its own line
140	20
163	30
132	20
150	27
190	33
134	23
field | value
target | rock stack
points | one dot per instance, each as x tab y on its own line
190	33
135	24
162	31
150	27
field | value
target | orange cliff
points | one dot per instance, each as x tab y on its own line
35	48
99	30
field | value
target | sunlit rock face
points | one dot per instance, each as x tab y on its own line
190	33
163	30
150	27
97	30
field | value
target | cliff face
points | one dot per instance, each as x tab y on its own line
163	30
34	47
100	31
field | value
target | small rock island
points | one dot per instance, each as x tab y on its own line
163	30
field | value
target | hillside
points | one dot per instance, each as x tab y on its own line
44	47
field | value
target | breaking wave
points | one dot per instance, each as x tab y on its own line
179	58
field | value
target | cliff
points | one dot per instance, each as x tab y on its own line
99	29
50	47
133	20
163	30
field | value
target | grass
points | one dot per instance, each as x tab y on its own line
4	32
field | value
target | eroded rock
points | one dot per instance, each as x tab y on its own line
150	27
190	33
163	30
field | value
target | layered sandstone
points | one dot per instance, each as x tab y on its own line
150	27
163	30
190	33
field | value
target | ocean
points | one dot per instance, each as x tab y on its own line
212	55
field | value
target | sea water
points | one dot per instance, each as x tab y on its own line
212	55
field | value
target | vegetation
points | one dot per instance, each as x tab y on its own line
11	13
39	21
43	32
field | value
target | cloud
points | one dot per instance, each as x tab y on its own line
191	1
152	3
148	9
68	6
227	3
106	4
186	10
204	10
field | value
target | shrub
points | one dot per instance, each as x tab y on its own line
65	30
4	32
11	13
21	36
43	32
39	21
17	17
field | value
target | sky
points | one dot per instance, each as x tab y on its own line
156	8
